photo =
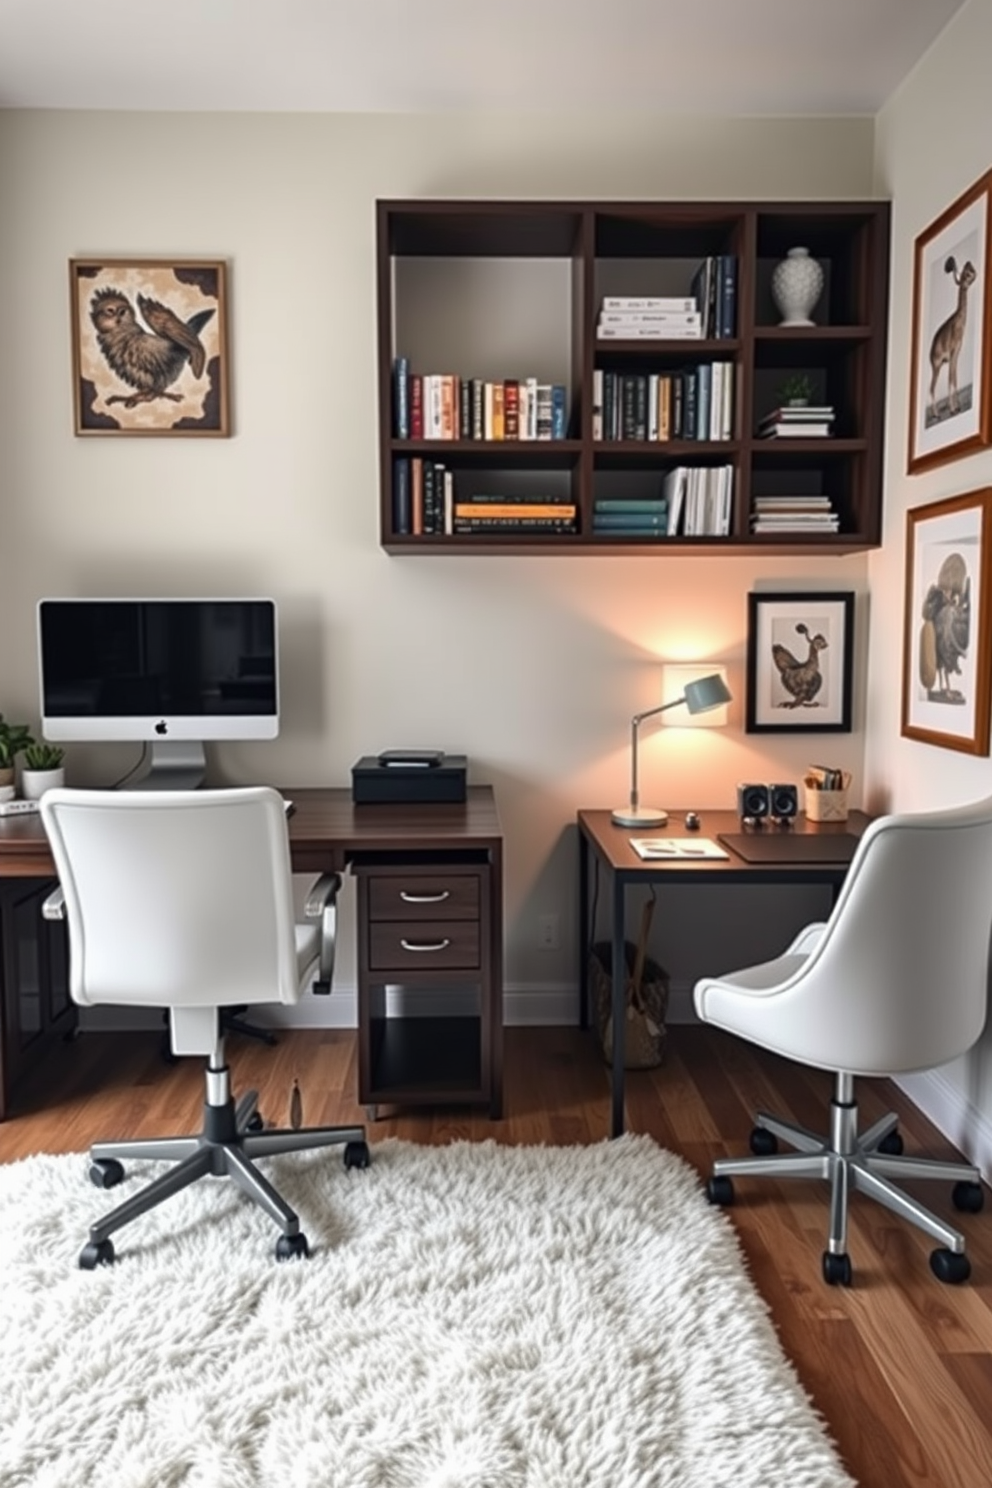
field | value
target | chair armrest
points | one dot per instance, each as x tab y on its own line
807	940
53	908
322	905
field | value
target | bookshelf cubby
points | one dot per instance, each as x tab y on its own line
506	292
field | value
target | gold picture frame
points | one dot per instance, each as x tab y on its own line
947	636
149	346
951	360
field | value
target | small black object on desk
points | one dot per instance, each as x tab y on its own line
393	780
692	822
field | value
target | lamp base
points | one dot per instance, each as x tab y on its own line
639	816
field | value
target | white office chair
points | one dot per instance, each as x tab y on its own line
183	900
895	981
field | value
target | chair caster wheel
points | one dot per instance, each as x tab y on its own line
763	1143
288	1247
891	1145
106	1172
96	1253
950	1266
720	1191
836	1268
256	1122
356	1155
968	1197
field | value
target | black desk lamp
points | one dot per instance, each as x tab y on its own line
699	697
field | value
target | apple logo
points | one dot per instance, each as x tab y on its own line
161	727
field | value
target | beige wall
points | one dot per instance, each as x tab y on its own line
532	666
932	143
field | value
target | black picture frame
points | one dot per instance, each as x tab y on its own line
800	653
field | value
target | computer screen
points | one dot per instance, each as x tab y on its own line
161	671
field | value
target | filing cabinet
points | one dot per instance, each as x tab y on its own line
430	1013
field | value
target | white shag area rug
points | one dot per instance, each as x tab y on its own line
471	1316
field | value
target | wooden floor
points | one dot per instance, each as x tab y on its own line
899	1365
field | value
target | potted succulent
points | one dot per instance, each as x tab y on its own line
14	739
41	769
796	389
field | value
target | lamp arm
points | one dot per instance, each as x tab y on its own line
635	724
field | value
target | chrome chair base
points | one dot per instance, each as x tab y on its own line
850	1162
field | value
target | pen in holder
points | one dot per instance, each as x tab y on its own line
827	805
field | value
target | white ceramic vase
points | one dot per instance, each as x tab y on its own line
34	783
797	283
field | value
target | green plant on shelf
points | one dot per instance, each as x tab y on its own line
796	388
43	756
14	739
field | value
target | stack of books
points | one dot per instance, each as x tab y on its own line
806	514
798	421
506	515
649	318
636	517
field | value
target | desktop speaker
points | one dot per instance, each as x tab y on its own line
753	801
783	801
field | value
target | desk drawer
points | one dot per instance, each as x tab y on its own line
452	896
430	945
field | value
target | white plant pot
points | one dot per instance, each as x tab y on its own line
34	783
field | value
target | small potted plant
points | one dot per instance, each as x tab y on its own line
796	389
14	739
41	769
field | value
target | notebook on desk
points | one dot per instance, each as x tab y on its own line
791	847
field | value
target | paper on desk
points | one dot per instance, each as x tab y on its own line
677	847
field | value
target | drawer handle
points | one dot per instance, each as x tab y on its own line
425	898
424	945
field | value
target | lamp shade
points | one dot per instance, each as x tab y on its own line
708	692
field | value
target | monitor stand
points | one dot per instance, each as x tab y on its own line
170	764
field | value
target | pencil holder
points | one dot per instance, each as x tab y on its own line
827	805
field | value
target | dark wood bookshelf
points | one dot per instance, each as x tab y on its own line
446	300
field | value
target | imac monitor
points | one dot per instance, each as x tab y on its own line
170	673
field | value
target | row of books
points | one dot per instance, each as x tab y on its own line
423	496
444	406
795	514
798	421
700	500
694	403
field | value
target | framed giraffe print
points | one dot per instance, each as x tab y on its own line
149	346
951	360
800	651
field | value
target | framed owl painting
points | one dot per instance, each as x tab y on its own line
149	346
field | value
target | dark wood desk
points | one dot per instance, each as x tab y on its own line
328	833
608	846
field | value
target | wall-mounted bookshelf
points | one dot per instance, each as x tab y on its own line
556	376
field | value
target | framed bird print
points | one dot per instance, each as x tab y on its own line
950	393
800	650
149	346
947	634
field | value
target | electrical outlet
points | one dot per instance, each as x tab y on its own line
548	932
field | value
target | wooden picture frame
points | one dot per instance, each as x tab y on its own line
947	636
800	654
149	346
951	360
